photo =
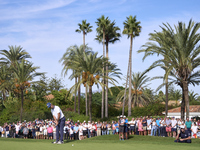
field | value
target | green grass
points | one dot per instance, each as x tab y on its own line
106	142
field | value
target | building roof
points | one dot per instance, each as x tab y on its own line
192	108
49	97
173	103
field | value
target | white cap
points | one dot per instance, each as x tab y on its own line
121	116
124	116
78	121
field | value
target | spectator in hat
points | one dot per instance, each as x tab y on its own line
132	126
121	128
25	132
76	129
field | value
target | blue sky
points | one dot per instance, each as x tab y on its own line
46	28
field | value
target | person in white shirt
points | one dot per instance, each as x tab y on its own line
132	126
89	129
84	130
59	120
194	130
17	127
80	131
174	124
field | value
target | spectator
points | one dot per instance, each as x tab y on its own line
45	131
89	128
50	132
33	131
66	131
174	124
25	132
168	126
109	129
54	132
126	127
117	127
153	127
132	126
71	131
144	124
80	131
188	124
103	128
157	126
149	121
37	131
121	128
93	130
76	129
98	128
140	126
162	127
194	129
84	130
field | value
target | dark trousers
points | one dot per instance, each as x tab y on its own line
59	129
162	131
75	136
67	135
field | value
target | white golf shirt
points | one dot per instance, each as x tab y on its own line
55	112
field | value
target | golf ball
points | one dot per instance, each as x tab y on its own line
72	144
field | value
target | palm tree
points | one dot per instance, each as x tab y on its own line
138	93
85	28
24	74
66	60
183	58
132	28
92	73
111	36
102	25
13	55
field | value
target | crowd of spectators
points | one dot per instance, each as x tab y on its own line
45	129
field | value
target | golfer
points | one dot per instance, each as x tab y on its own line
59	120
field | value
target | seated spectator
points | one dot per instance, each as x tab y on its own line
184	135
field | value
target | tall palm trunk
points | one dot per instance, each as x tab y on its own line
90	102
125	90
103	87
106	97
79	96
4	96
166	101
75	96
183	106
186	97
86	100
130	69
22	101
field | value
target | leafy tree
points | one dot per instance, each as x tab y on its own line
55	84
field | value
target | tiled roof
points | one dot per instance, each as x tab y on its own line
193	108
49	97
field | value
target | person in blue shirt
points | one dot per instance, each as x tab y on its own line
126	127
184	135
76	131
117	127
157	127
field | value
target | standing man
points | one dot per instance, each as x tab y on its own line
59	120
121	123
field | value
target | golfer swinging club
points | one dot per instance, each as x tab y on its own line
59	120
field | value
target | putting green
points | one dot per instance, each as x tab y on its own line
110	142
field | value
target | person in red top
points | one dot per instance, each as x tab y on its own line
50	132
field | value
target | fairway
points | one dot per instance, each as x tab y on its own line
110	142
